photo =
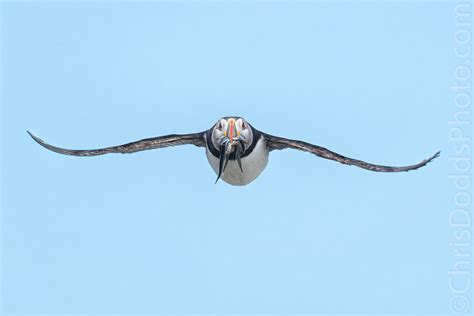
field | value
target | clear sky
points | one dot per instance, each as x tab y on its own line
151	232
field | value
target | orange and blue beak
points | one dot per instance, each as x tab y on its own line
231	132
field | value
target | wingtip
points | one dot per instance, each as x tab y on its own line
426	161
35	138
32	135
436	155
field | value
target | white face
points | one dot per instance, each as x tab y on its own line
232	128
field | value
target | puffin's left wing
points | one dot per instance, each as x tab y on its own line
275	142
144	144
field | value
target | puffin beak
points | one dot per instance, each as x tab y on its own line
231	130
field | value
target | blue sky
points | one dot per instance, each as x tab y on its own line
151	232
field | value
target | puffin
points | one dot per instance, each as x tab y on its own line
236	151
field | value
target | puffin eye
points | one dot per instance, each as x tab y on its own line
244	126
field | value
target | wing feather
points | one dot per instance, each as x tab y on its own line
196	139
275	142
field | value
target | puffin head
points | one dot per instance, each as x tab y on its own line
231	136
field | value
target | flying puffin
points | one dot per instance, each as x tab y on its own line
236	150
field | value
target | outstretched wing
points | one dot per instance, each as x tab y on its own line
144	144
275	142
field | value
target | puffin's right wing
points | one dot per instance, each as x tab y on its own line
144	144
275	142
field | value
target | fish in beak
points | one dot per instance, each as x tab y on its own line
224	157
233	142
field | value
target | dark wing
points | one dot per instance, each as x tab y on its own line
274	142
144	144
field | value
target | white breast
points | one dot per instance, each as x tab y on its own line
252	165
